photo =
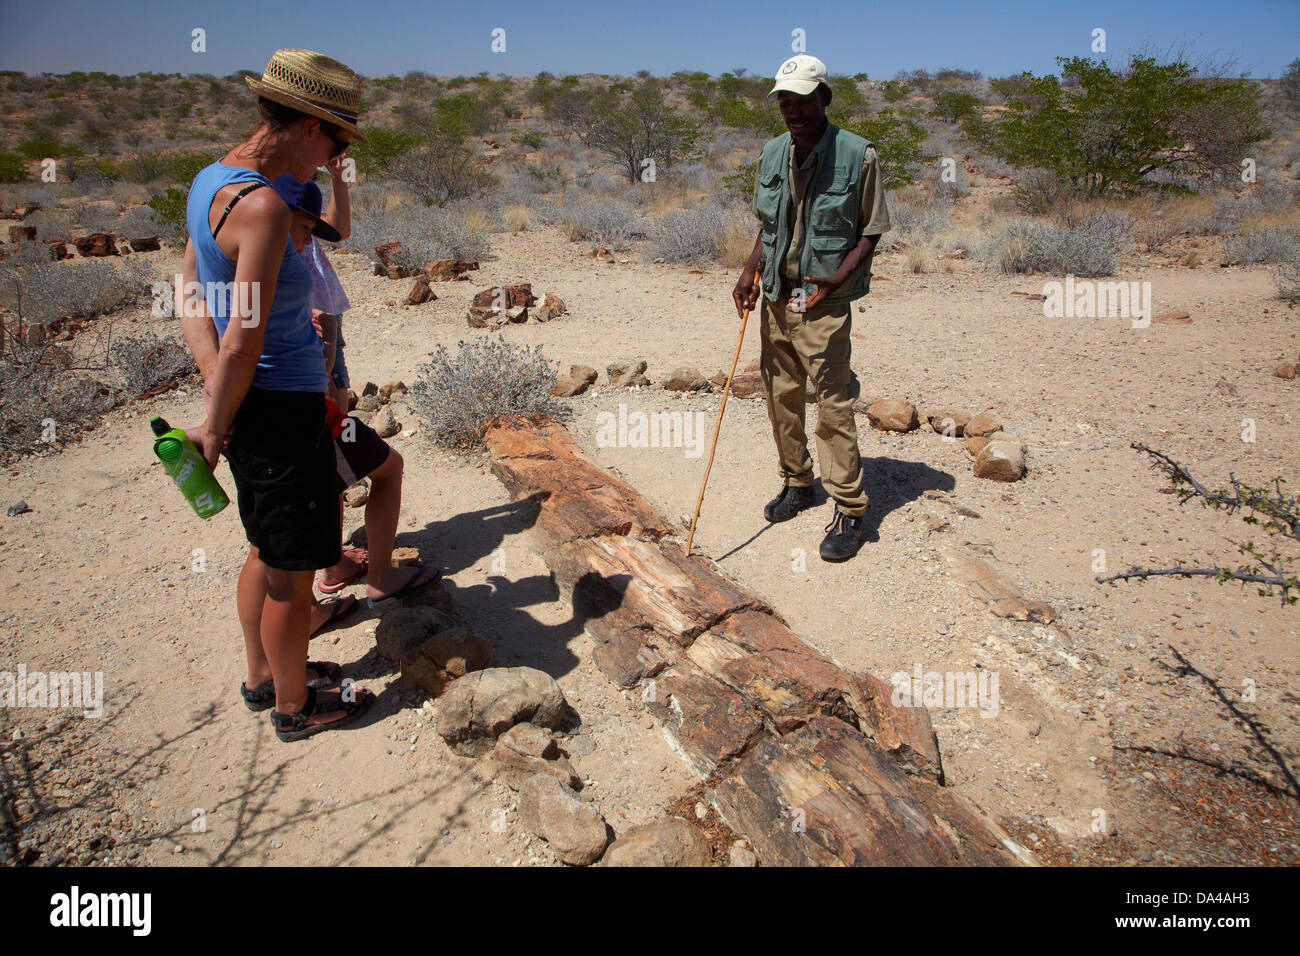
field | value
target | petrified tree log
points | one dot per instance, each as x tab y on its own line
812	763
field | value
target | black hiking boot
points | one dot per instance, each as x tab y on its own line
788	503
844	537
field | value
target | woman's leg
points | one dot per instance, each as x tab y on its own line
285	616
284	636
250	597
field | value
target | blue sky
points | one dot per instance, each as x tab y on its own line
611	36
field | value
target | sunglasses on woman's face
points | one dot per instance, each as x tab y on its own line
339	144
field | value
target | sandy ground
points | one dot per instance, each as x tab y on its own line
1121	735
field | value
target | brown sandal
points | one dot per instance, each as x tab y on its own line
263	695
291	727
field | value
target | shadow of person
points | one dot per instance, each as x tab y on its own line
891	484
505	611
464	539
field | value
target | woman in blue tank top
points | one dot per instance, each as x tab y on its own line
264	380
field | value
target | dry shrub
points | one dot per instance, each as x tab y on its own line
459	395
145	360
607	222
737	241
474	221
1159	222
1272	244
914	218
425	232
1269	219
670	196
42	405
1030	246
1288	278
518	219
46	290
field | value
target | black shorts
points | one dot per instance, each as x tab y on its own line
283	461
357	452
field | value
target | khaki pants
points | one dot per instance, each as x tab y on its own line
814	345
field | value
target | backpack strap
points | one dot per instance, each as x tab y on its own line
238	196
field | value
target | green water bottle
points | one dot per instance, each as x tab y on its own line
188	469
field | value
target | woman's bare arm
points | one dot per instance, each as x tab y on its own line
196	325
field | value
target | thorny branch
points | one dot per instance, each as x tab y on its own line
1272	509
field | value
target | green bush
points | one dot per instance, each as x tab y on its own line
182	168
897	139
894	91
13	168
1101	130
465	114
529	138
385	146
740	184
40	147
639	125
169	212
847	96
955	105
742	114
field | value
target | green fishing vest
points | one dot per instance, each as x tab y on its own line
831	206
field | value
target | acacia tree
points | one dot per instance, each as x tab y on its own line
631	126
1102	130
443	167
1290	85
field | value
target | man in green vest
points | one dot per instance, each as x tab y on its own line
820	197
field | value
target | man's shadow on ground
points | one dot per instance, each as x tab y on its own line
890	484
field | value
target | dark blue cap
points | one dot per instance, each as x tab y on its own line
305	197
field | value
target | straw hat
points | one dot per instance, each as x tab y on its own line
314	84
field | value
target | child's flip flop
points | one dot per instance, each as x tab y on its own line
426	577
363	565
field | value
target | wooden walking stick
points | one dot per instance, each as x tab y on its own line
717	427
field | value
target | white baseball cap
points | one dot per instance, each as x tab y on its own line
800	74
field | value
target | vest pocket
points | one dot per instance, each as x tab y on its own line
826	253
768	201
834	209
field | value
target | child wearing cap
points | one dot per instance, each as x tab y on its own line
359	453
327	299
